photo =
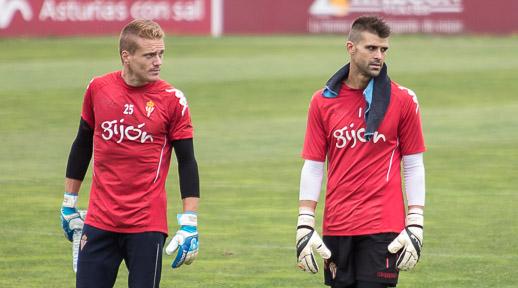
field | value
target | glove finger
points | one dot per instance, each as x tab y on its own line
320	247
303	242
76	224
173	246
191	246
409	261
324	251
308	263
82	214
395	245
301	263
190	257
403	259
179	259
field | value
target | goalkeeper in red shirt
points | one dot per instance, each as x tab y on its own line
365	125
132	120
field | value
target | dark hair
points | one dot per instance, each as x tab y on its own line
372	24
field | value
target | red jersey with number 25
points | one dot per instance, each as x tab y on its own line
133	130
363	194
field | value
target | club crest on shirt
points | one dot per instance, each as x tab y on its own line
150	107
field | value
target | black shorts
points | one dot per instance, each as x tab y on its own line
102	252
360	258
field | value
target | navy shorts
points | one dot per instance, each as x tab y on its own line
362	258
101	253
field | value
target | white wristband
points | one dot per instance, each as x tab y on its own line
69	200
415	216
306	217
187	219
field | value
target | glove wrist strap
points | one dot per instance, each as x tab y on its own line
414	220
69	200
187	219
306	218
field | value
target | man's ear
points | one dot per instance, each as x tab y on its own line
125	57
351	48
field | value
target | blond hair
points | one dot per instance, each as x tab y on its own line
138	28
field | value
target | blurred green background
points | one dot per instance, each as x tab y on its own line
248	98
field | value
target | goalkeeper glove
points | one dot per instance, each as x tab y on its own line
185	241
70	217
307	240
409	241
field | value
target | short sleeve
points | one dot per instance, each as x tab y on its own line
411	139
315	141
180	125
87	112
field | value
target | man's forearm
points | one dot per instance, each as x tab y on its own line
72	186
416	209
308	204
80	152
190	204
414	176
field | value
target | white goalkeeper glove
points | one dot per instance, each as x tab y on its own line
409	242
307	240
71	219
185	241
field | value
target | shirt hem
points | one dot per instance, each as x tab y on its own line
128	230
183	137
361	232
405	153
313	158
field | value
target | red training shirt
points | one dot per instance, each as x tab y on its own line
363	194
133	130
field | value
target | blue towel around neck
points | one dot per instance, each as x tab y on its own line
377	96
367	93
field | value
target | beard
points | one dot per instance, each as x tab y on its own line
370	71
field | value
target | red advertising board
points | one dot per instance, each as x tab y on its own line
417	16
265	16
95	17
404	16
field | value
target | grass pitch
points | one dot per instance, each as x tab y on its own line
248	98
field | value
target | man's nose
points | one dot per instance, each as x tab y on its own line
378	54
157	61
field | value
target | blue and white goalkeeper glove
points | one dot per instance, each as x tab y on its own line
185	241
410	241
71	219
308	240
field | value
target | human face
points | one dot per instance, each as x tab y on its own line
368	54
143	66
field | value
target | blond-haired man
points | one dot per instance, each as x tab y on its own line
132	120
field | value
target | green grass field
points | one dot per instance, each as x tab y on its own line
248	99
